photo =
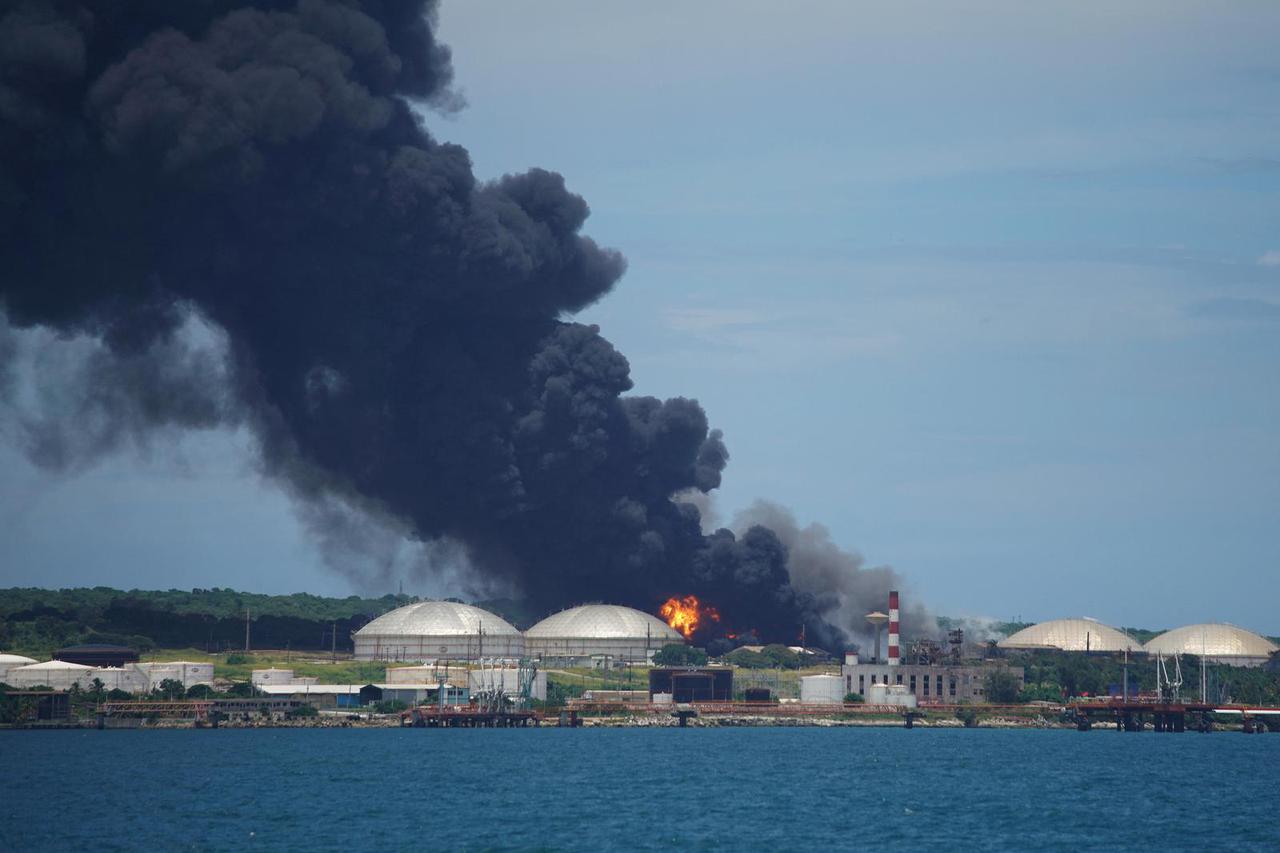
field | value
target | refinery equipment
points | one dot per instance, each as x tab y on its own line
877	621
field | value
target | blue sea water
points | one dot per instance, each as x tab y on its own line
635	789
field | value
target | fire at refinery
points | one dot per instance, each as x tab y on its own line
687	614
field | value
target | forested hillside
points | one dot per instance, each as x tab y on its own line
41	620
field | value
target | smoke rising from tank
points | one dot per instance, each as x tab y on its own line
236	213
841	583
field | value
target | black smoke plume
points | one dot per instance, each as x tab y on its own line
393	327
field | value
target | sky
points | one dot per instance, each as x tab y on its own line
993	294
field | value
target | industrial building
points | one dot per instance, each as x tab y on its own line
360	695
599	634
937	683
1217	642
438	630
930	675
1071	635
691	684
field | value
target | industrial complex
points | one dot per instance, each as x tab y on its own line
457	664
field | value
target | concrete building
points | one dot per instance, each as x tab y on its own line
1071	635
438	630
929	683
1217	642
599	634
423	694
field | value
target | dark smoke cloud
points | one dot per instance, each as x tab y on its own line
66	401
844	587
393	327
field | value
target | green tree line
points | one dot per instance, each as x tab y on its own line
38	621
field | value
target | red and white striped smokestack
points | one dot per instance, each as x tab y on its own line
894	657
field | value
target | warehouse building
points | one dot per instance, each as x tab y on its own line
691	684
599	634
438	630
1217	642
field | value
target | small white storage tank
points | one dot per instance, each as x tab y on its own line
822	689
187	672
415	674
125	678
899	695
272	676
891	694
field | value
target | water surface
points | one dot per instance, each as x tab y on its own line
626	789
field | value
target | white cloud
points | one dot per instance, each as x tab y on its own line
1270	258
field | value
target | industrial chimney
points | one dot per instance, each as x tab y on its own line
895	656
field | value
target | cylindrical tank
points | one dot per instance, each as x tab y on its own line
822	689
413	674
891	694
898	694
272	676
123	678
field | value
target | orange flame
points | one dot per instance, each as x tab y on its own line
686	614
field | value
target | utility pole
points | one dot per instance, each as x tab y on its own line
334	642
1204	678
246	629
1126	675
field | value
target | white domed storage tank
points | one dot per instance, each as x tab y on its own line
822	689
1071	635
8	662
611	631
1215	641
438	630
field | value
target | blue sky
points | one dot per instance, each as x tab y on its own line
993	294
